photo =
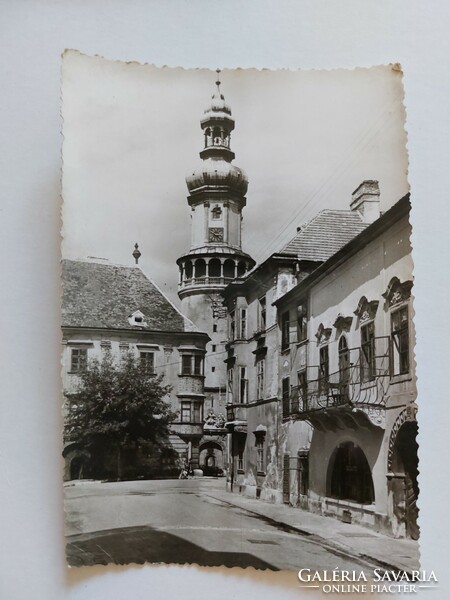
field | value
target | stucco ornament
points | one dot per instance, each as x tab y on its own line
397	292
366	310
218	309
375	414
213	421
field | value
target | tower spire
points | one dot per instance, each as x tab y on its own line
218	82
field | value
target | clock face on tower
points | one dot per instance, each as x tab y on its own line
216	234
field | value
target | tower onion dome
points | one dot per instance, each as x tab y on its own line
216	168
216	172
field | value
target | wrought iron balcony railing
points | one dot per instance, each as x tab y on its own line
362	380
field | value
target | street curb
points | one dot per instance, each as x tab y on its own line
337	549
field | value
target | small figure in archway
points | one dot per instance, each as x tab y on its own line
183	471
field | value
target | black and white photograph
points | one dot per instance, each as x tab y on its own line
238	367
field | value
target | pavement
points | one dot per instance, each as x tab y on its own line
198	521
353	540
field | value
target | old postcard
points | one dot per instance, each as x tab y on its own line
237	300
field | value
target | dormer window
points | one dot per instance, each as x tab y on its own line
137	319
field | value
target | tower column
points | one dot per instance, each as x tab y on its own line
206	205
225	222
239	229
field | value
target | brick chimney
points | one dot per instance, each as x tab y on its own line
366	200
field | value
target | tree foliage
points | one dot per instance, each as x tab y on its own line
118	404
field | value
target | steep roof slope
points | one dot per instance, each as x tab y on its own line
325	235
104	295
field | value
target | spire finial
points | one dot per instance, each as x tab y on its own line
218	71
136	253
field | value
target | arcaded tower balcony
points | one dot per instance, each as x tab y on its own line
206	271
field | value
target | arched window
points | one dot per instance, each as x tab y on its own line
188	269
344	369
214	267
241	269
200	268
350	477
228	268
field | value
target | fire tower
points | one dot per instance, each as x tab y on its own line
217	191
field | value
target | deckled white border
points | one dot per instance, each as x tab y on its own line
197	33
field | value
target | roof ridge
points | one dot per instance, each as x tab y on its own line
99	261
195	328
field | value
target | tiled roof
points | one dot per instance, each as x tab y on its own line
325	235
103	295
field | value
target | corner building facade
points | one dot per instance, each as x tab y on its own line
350	375
217	191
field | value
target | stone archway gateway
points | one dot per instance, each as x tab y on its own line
403	469
211	457
349	476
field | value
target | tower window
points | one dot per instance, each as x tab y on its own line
213	348
214	328
216	212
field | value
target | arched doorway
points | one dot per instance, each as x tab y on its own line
404	470
349	475
211	458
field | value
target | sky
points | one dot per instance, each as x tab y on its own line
131	133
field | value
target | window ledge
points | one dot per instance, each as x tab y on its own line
191	375
400	378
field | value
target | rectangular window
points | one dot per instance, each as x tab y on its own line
147	361
232	325
230	386
198	365
215	328
78	360
243	385
260	466
186	362
302	322
302	383
262	314
368	352
186	412
285	337
324	369
400	341
213	348
243	324
240	460
197	413
303	475
260	366
286	396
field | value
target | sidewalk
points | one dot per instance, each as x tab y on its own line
353	540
